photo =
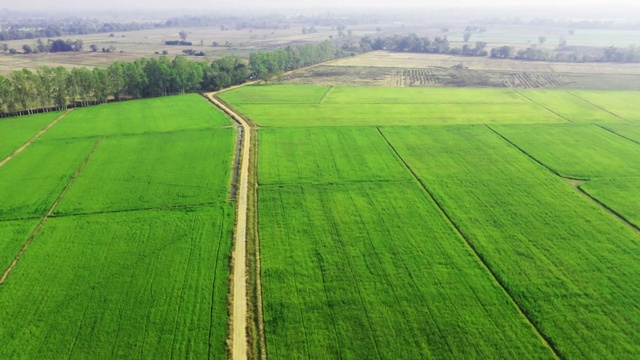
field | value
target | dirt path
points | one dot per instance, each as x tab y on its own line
34	138
239	259
49	213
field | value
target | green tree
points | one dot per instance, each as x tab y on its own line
24	86
6	96
102	86
59	89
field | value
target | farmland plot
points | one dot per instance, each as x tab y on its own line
13	234
385	95
337	156
127	285
577	151
297	115
157	170
620	194
629	131
563	259
172	113
379	107
281	94
17	131
570	106
375	271
103	279
33	180
624	104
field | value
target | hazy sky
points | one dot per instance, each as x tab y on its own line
279	4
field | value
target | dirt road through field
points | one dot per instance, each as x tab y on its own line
239	286
34	138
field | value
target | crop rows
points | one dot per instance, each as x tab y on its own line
421	77
607	160
564	259
532	81
357	268
134	261
17	131
347	216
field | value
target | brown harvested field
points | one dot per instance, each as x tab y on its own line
413	60
381	68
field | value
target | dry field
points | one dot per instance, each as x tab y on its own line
146	43
413	60
382	68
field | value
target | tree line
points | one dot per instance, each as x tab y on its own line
45	89
414	43
563	53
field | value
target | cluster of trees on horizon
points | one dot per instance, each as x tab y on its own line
414	43
571	24
440	45
52	28
24	91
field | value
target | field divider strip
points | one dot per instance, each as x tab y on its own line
34	138
555	172
238	294
617	134
165	207
609	210
324	96
520	309
598	106
48	214
537	103
573	184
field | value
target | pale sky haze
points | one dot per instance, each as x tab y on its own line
283	4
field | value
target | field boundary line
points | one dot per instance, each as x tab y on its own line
326	93
34	138
609	210
617	134
239	294
519	308
48	214
572	182
598	106
260	347
162	207
552	170
542	106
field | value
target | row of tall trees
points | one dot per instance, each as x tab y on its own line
267	65
630	54
45	89
440	45
414	43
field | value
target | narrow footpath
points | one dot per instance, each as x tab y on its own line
239	259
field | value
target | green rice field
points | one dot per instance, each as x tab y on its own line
392	223
447	223
133	261
17	131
